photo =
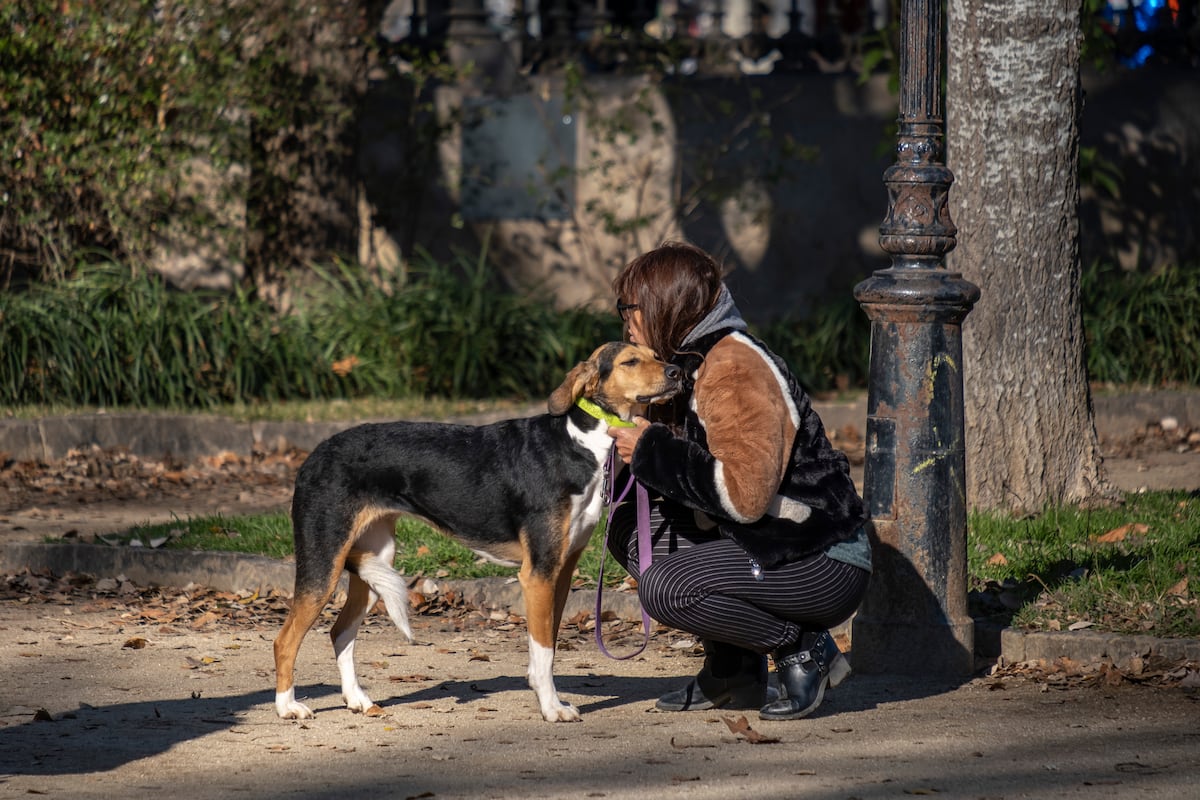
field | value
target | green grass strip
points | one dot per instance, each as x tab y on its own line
420	550
1133	568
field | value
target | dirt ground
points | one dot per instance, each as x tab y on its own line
114	691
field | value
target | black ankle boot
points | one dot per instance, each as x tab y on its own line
730	678
804	670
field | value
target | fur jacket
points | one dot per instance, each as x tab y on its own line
747	451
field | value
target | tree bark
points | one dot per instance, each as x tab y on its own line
1013	102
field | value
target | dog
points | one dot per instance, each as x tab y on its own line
524	491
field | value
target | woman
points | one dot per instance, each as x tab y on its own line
758	533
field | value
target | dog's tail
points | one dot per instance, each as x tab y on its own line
391	588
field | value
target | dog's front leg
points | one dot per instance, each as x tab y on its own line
541	620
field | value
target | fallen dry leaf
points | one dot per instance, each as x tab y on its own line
136	643
1119	534
741	727
998	560
345	366
205	619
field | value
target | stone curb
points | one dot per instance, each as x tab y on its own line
1088	646
235	572
183	436
188	436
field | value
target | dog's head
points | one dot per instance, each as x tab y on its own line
618	377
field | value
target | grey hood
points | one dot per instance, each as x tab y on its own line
724	316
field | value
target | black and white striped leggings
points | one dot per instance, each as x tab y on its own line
701	583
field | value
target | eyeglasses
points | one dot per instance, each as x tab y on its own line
623	308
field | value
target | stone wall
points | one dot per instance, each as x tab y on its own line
794	232
563	185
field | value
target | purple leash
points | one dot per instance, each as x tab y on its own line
644	548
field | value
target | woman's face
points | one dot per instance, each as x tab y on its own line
632	317
635	327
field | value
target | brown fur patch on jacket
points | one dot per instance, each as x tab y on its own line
748	420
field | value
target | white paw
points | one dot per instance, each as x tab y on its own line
357	700
558	711
287	707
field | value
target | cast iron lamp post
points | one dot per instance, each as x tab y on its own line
914	619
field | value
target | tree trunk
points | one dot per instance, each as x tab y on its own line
1013	101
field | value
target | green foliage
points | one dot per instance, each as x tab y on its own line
111	338
108	338
827	350
1097	46
86	91
105	106
448	331
1121	569
1140	328
1100	172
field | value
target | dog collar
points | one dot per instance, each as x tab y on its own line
599	413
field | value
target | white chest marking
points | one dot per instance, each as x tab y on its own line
587	506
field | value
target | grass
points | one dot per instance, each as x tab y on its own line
1133	569
435	339
1129	569
420	550
108	338
1140	326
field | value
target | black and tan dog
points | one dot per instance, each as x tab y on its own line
526	491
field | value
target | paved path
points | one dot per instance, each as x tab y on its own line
85	712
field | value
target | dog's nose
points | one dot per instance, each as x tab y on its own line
673	372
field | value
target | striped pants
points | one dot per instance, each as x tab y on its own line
701	583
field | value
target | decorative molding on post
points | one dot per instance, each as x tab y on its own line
914	618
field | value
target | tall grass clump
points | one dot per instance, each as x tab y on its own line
830	349
1141	328
447	330
106	337
111	338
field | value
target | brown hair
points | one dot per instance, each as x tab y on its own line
674	286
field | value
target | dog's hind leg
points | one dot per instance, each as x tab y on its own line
359	599
378	542
371	578
306	606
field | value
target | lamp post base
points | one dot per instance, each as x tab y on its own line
881	646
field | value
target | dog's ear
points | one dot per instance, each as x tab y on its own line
580	380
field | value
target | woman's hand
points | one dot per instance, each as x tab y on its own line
626	439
